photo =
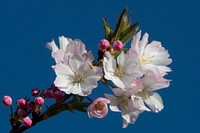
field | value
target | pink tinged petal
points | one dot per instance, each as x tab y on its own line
150	77
139	103
75	62
136	85
114	102
125	123
89	56
52	46
135	42
59	55
64	42
154	80
121	59
76	46
119	92
62	69
143	43
155	102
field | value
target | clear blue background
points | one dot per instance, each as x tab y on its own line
26	26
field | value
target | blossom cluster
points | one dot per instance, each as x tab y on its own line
136	74
133	74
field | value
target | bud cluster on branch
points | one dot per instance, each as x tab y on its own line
133	74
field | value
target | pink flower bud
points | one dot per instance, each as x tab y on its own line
118	45
103	44
30	105
58	96
35	91
98	108
27	122
7	100
21	102
48	93
39	101
21	112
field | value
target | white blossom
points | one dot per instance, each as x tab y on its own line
76	75
121	71
129	105
147	86
67	45
151	55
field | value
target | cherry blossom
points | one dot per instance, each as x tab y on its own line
121	71
151	55
78	76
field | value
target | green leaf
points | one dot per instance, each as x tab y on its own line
128	33
107	29
122	25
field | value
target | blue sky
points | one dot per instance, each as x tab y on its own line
26	26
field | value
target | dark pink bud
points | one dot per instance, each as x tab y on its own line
39	101
58	96
21	112
48	93
103	45
35	92
7	100
27	122
21	102
30	105
118	45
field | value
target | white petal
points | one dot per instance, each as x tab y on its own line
63	42
143	43
125	123
75	62
62	69
155	102
114	102
136	41
76	46
118	82
121	59
61	81
52	46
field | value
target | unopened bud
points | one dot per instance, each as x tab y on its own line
21	112
103	45
48	93
27	122
39	101
21	102
118	45
35	92
58	96
7	100
30	105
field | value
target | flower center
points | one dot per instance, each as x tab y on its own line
144	94
99	106
145	59
119	71
124	102
78	78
